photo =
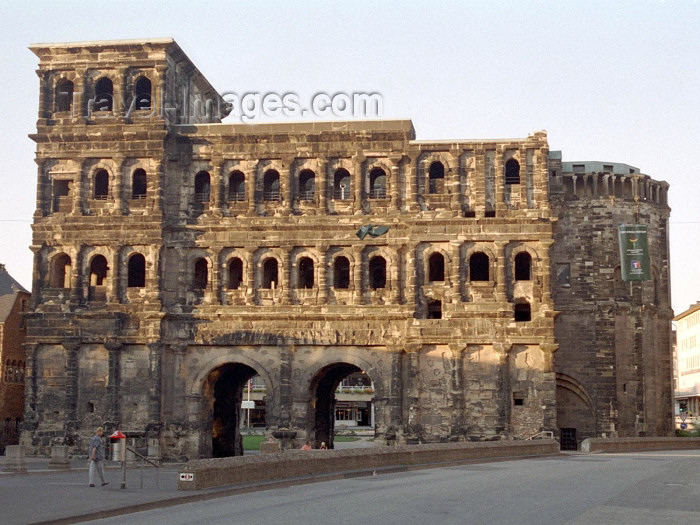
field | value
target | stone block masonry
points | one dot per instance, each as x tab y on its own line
177	258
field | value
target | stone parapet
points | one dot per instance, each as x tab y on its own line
639	444
208	473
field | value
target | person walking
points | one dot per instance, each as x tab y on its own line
97	458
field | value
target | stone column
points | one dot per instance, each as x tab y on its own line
454	187
285	398
502	351
44	190
392	414
179	381
78	188
113	383
251	185
544	272
158	97
499	183
37	281
455	366
393	277
358	181
216	178
322	186
155	359
215	281
79	115
413	429
410	286
250	276
31	420
286	193
358	274
501	271
286	297
322	250
394	203
45	89
71	401
118	187
549	397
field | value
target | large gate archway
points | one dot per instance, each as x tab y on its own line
224	390
323	400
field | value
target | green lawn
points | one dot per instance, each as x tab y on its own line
253	442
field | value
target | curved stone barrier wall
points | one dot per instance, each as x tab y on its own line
208	473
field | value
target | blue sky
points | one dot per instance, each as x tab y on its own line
609	81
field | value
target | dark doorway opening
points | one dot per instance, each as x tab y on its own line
225	386
568	439
323	401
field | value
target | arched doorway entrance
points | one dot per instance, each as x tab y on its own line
224	388
324	390
575	413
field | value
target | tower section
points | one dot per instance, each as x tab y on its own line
613	366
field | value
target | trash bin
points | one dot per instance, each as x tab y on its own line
118	445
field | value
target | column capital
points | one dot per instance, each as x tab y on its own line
71	344
549	347
502	349
112	345
457	348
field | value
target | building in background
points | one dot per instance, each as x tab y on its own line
473	282
14	300
687	392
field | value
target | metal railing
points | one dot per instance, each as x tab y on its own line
545	434
142	463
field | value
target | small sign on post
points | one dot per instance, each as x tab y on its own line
186	476
118	440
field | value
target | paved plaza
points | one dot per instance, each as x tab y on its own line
576	489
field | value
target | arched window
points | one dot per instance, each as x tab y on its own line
306	273
64	95
98	270
138	184
236	186
479	267
341	184
235	273
436	267
136	271
341	273
377	184
201	187
522	312
307	185
101	185
271	186
436	178
512	172
104	95
142	92
59	274
201	274
270	273
523	267
377	272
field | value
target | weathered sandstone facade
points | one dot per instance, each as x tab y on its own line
176	257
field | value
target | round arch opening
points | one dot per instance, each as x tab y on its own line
342	394
231	390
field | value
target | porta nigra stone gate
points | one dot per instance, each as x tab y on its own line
177	257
